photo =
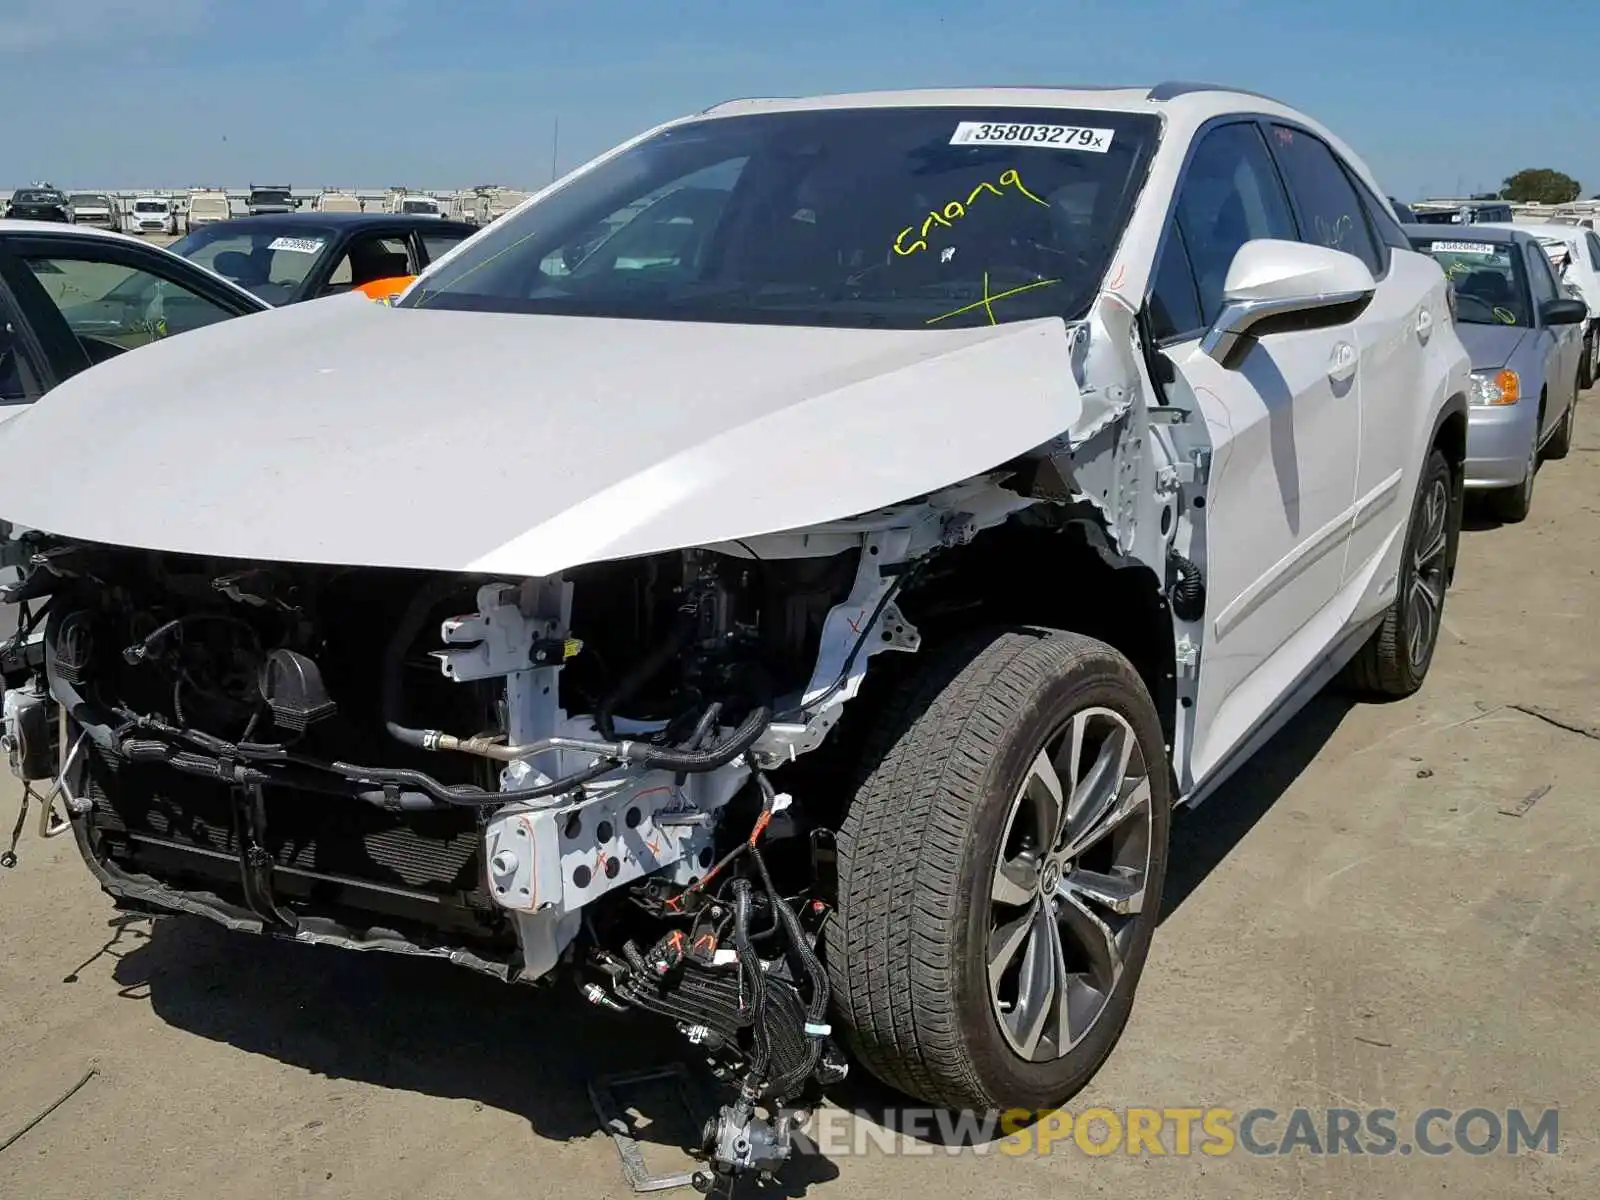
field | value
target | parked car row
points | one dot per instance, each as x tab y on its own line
787	591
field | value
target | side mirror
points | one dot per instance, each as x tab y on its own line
1276	286
1563	312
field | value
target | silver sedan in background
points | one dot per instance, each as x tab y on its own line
1525	335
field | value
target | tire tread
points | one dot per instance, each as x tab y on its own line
925	763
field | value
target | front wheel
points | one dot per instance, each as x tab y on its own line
1000	871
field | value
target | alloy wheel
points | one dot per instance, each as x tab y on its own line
1069	885
1428	562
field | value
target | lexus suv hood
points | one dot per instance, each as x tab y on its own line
344	432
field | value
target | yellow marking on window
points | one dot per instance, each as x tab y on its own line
987	303
952	212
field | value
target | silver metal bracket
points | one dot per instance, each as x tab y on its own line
1186	654
602	1096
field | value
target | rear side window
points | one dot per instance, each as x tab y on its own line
1331	214
439	244
1381	217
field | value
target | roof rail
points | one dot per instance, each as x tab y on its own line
738	100
1174	88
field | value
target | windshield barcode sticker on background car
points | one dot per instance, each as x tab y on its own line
1463	248
297	245
1047	137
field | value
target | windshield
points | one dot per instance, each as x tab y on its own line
1488	279
149	206
903	218
207	204
31	196
418	206
270	263
270	196
84	200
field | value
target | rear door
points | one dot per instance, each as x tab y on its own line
1284	426
1391	337
1562	344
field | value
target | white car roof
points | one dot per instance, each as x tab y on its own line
1184	107
1182	101
55	230
1545	231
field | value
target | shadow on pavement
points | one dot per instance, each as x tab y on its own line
1202	838
442	1031
424	1027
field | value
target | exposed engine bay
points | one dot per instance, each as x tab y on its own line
516	776
600	774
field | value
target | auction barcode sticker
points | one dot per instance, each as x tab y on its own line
1045	137
297	245
1464	248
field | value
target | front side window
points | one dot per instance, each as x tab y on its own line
1489	279
367	260
1174	301
1331	213
1592	242
1230	195
1541	277
111	306
904	218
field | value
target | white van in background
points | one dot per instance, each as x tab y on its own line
207	205
333	201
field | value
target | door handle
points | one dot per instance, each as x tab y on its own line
1424	324
1342	363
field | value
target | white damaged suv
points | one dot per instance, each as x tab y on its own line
783	575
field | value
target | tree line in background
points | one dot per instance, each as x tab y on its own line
1536	185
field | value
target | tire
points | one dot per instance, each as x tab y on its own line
940	799
1395	660
1560	443
1511	506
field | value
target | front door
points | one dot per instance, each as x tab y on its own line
1284	424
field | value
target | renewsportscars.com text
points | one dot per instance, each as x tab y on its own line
1180	1132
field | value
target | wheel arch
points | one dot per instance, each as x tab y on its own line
1060	571
1450	437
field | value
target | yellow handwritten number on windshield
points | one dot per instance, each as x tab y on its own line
955	210
1506	316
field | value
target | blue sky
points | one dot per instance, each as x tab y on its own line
373	93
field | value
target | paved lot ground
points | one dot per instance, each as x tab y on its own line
1393	906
